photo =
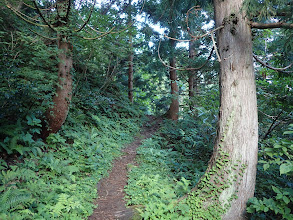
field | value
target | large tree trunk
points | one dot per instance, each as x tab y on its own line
174	106
230	177
57	114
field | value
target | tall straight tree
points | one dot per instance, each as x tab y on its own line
192	86
130	57
238	123
228	183
170	15
235	149
174	106
57	114
57	16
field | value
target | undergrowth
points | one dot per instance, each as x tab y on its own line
274	183
172	161
170	164
58	180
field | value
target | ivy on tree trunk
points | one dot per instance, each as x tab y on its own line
229	181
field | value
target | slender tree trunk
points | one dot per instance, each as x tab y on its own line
191	76
130	59
174	106
130	75
57	114
231	173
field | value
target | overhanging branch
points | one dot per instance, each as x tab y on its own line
183	69
281	70
88	19
41	15
271	25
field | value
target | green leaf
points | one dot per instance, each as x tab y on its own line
266	166
286	199
276	190
286	168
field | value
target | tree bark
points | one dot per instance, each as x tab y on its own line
238	123
130	76
130	58
57	114
231	172
174	106
192	85
271	25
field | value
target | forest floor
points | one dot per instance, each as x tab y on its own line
111	203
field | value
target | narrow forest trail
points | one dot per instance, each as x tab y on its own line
111	204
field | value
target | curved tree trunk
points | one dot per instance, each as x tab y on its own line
231	173
57	114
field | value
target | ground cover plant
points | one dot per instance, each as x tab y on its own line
57	180
169	167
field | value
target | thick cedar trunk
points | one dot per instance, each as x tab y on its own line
174	106
130	76
238	124
57	114
231	172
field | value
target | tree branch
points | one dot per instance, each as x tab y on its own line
271	128
281	70
68	10
183	69
40	13
26	18
271	25
88	19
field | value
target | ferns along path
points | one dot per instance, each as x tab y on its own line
111	204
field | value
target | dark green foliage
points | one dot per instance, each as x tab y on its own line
273	198
171	163
60	182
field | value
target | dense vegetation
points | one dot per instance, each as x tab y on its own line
53	175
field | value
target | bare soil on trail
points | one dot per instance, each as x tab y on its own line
111	204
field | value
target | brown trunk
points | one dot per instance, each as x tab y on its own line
191	76
130	59
238	124
57	114
231	174
174	106
130	76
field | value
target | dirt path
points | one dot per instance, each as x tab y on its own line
111	204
